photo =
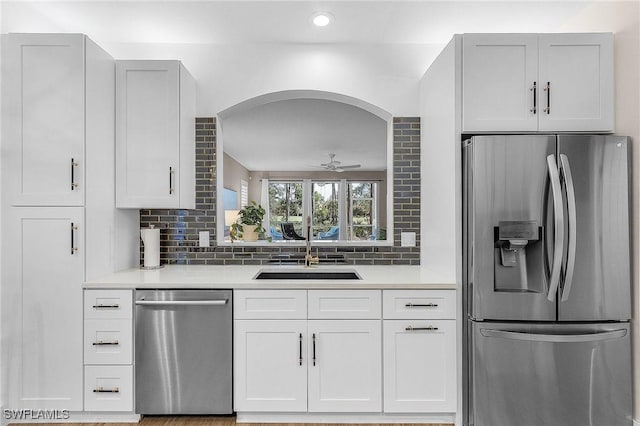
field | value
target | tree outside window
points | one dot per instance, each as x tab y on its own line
325	209
285	204
362	210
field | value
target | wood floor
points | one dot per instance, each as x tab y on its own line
204	421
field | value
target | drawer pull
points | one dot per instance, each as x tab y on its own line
74	164
534	89
103	390
101	343
430	328
171	190
313	338
74	249
421	305
106	306
548	90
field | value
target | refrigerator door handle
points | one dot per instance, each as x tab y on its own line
558	228
560	338
571	206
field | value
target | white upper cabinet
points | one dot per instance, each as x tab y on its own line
499	73
579	71
537	82
43	128
155	135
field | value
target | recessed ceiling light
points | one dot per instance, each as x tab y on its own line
321	19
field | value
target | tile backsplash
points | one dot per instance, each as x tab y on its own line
179	228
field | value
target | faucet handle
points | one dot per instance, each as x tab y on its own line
310	260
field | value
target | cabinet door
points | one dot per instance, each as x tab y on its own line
147	134
270	369
43	119
345	366
419	366
499	72
576	74
42	306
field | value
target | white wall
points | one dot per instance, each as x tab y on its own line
384	75
439	114
233	173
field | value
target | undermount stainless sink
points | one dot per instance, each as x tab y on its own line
307	275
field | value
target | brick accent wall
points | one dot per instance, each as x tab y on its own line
179	228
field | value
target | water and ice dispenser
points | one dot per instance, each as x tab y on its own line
518	257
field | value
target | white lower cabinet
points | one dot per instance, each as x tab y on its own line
419	335
42	274
270	369
108	388
345	366
329	356
108	350
419	366
108	341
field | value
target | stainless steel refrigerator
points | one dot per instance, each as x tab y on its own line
546	269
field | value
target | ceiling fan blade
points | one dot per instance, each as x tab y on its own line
352	166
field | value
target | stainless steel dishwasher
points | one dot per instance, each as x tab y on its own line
183	352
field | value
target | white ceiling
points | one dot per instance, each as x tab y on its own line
233	21
299	134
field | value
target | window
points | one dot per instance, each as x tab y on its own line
340	209
362	210
326	210
244	193
285	204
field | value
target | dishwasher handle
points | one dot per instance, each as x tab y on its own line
182	302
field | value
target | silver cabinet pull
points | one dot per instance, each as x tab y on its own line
74	164
313	339
421	305
534	89
300	349
74	249
547	89
103	390
171	180
429	328
101	343
105	306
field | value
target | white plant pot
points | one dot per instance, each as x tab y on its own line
249	233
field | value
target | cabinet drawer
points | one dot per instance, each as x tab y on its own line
108	341
408	304
108	388
270	304
344	304
108	304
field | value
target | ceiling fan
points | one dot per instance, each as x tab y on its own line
336	166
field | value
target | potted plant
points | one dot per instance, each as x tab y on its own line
249	223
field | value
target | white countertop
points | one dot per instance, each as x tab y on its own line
241	277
